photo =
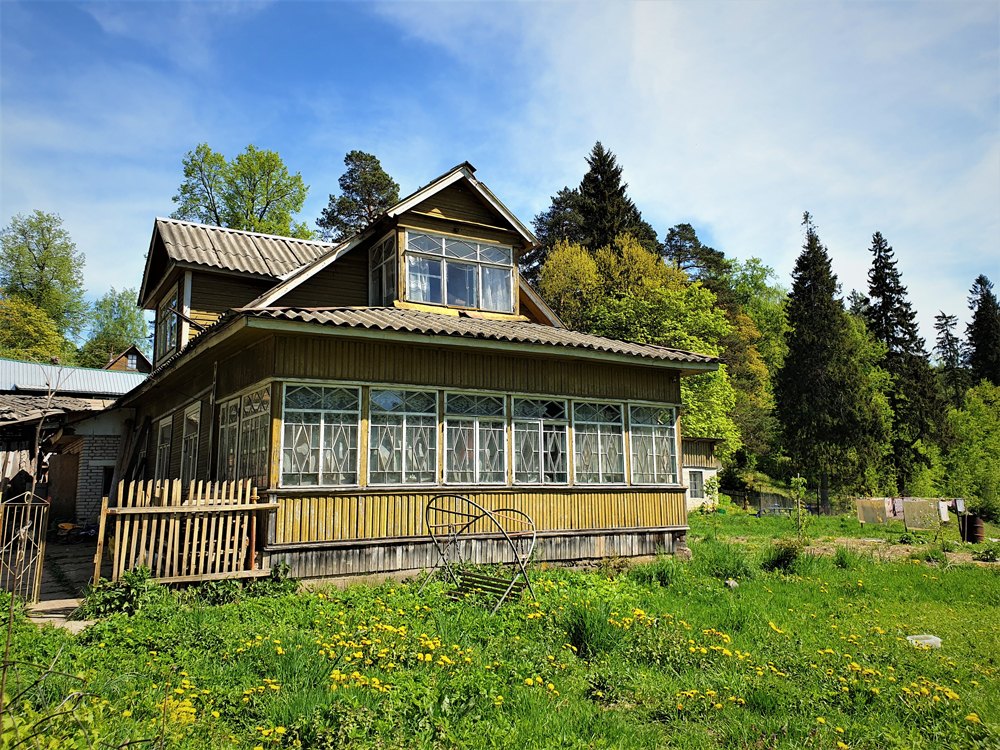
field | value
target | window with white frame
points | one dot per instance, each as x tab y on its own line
229	432
459	272
540	441
598	443
189	444
696	484
654	444
382	291
255	429
166	324
402	437
164	431
475	439
320	436
132	362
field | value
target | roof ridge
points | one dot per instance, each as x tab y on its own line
246	232
64	367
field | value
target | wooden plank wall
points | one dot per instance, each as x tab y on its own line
459	202
376	362
379	558
699	454
214	293
352	516
342	284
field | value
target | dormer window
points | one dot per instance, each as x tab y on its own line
382	291
166	325
459	272
133	362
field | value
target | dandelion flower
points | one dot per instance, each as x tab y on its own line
821	720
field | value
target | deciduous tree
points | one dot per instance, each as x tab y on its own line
40	264
254	192
27	333
568	283
366	191
118	323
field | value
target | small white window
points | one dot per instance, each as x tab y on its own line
133	362
475	439
164	430
696	484
540	441
598	443
189	445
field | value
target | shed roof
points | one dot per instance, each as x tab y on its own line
24	408
34	377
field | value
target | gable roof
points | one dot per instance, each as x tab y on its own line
131	350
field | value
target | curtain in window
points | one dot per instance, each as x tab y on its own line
423	279
496	289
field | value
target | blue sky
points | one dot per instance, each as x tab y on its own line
733	116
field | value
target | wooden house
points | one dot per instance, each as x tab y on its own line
699	465
130	360
354	381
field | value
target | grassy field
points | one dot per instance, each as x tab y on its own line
807	652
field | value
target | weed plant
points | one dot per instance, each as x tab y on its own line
809	654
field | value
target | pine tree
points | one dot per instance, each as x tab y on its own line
983	333
951	359
827	397
366	191
685	251
917	403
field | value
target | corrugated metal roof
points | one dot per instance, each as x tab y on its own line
31	376
517	332
234	250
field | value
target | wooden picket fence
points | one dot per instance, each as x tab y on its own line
207	533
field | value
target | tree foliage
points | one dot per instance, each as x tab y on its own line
983	332
118	323
683	250
568	282
974	461
366	191
562	221
27	332
39	263
828	392
254	192
950	356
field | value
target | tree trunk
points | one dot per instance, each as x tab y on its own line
824	492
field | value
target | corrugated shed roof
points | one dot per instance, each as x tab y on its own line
18	408
30	376
234	250
517	332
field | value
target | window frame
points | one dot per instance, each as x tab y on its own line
161	468
696	493
476	418
167	327
189	458
438	469
678	469
541	422
132	361
391	261
281	455
478	263
625	431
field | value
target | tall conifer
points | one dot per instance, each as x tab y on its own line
983	333
825	400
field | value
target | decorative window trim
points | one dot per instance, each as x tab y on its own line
541	423
623	407
405	432
478	261
673	469
320	447
449	423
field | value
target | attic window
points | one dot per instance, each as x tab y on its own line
132	362
166	325
459	272
382	291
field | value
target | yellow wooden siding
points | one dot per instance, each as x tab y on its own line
458	201
347	516
342	284
377	362
699	455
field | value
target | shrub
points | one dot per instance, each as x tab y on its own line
781	555
989	553
135	590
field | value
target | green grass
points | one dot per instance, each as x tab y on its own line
663	655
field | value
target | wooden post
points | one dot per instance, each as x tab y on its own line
100	541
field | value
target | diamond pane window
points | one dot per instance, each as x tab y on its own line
319	445
654	445
598	443
475	440
402	437
540	441
474	274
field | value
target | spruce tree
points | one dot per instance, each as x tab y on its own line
951	359
917	404
983	333
826	401
562	221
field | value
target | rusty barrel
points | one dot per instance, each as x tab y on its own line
972	529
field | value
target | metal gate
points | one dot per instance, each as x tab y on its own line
23	525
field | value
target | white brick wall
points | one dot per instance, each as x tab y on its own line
98	452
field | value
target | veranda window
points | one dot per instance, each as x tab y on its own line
459	272
320	436
164	431
255	428
654	445
475	439
189	445
540	444
402	437
229	426
598	444
383	272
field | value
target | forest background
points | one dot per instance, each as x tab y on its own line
840	390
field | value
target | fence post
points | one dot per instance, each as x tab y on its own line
100	541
